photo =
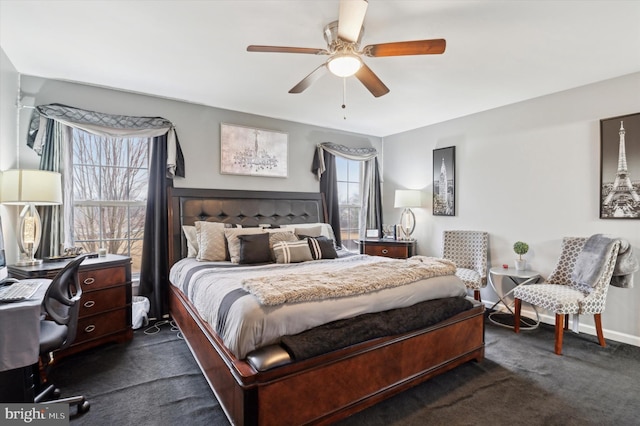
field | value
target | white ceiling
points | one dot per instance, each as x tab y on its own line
498	53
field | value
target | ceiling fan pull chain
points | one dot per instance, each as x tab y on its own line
344	96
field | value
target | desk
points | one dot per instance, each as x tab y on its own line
19	345
517	277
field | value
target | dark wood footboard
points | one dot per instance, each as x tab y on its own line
327	388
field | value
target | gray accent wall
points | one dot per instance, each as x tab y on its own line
198	129
528	171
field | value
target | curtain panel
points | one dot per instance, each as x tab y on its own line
50	136
324	168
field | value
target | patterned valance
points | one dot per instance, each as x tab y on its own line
107	125
357	154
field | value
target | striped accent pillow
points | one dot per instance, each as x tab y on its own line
292	252
322	248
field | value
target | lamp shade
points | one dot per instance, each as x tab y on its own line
407	198
25	186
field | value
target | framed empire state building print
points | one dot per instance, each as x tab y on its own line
444	181
620	167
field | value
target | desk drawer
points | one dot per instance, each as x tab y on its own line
100	278
95	302
99	325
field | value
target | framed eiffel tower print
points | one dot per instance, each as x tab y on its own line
620	167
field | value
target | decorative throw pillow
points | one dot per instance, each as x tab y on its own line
254	248
233	242
322	248
278	235
192	240
211	241
292	252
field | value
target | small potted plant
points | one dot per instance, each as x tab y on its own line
521	248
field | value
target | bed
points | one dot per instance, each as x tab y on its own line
321	387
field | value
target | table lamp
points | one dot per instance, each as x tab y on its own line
407	198
30	188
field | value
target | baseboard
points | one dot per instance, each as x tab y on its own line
583	328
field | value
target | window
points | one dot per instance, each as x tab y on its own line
110	179
349	174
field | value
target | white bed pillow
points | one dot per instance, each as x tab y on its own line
211	241
299	228
192	240
233	243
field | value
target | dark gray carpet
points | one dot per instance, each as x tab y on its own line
154	380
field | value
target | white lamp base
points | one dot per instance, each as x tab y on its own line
29	234
407	223
29	262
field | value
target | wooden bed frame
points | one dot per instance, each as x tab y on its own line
325	388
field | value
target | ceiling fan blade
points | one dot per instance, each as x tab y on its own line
371	81
310	79
350	19
416	47
284	49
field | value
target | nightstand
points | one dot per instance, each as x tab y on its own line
105	307
399	249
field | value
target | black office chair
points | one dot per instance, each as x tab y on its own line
58	329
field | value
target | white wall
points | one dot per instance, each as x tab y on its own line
528	171
8	156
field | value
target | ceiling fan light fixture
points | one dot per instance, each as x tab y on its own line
344	65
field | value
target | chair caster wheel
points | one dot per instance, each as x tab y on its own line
83	407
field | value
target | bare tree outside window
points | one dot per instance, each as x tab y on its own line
110	179
348	176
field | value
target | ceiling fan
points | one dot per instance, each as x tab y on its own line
343	43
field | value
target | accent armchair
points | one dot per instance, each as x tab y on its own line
561	294
469	251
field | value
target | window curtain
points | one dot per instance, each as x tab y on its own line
324	167
50	136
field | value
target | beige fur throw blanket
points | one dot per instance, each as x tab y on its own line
276	290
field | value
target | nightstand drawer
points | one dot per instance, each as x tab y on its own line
99	325
398	249
101	278
95	302
388	251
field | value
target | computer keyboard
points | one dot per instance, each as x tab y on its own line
19	291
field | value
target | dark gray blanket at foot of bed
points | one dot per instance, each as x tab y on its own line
343	333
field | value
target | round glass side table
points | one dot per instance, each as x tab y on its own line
518	278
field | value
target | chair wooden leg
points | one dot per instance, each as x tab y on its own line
597	318
559	332
566	321
476	295
516	315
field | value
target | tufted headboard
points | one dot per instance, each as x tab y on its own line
246	208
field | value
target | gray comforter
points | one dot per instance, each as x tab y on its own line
215	289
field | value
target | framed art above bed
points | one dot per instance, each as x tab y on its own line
253	152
